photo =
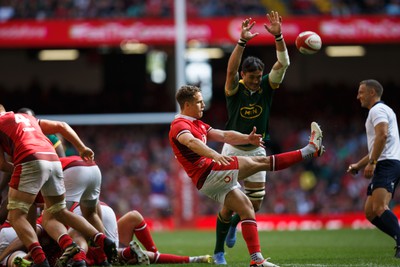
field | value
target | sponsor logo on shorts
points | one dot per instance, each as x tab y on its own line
227	179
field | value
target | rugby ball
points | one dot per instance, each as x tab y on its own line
308	42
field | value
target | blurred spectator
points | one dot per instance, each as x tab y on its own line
135	8
6	10
108	9
302	7
340	8
159	187
393	8
372	7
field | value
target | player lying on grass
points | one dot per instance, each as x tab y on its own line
122	231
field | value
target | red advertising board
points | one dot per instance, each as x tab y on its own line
273	222
217	31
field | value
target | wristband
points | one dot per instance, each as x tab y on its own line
242	42
279	37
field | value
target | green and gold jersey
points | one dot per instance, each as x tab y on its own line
54	140
247	109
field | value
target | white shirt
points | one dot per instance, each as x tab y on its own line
380	112
109	221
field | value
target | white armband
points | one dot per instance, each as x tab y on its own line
276	76
283	58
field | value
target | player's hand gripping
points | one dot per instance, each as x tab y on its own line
246	33
86	154
275	23
221	159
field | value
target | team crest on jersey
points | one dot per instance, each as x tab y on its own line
251	112
227	179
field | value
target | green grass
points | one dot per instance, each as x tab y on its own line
325	248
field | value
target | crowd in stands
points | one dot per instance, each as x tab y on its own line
110	9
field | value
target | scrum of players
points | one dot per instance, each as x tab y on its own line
81	186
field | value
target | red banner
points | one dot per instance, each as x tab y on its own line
271	222
217	31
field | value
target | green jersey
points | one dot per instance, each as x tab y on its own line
247	109
54	140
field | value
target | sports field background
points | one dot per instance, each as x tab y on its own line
346	247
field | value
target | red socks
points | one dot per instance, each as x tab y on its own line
250	235
159	258
142	233
64	241
169	258
285	160
127	254
99	239
37	253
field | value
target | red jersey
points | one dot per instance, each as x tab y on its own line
21	136
196	166
74	160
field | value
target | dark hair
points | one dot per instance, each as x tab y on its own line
251	64
186	94
373	84
26	111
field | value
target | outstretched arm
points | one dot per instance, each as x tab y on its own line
200	148
232	75
278	70
236	138
53	127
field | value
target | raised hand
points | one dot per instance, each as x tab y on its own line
246	33
275	23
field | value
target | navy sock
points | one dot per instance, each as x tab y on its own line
235	220
391	225
380	225
221	233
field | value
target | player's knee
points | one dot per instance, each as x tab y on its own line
136	215
57	207
20	205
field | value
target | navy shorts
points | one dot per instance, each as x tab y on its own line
386	175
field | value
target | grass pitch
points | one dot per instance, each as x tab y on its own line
325	248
